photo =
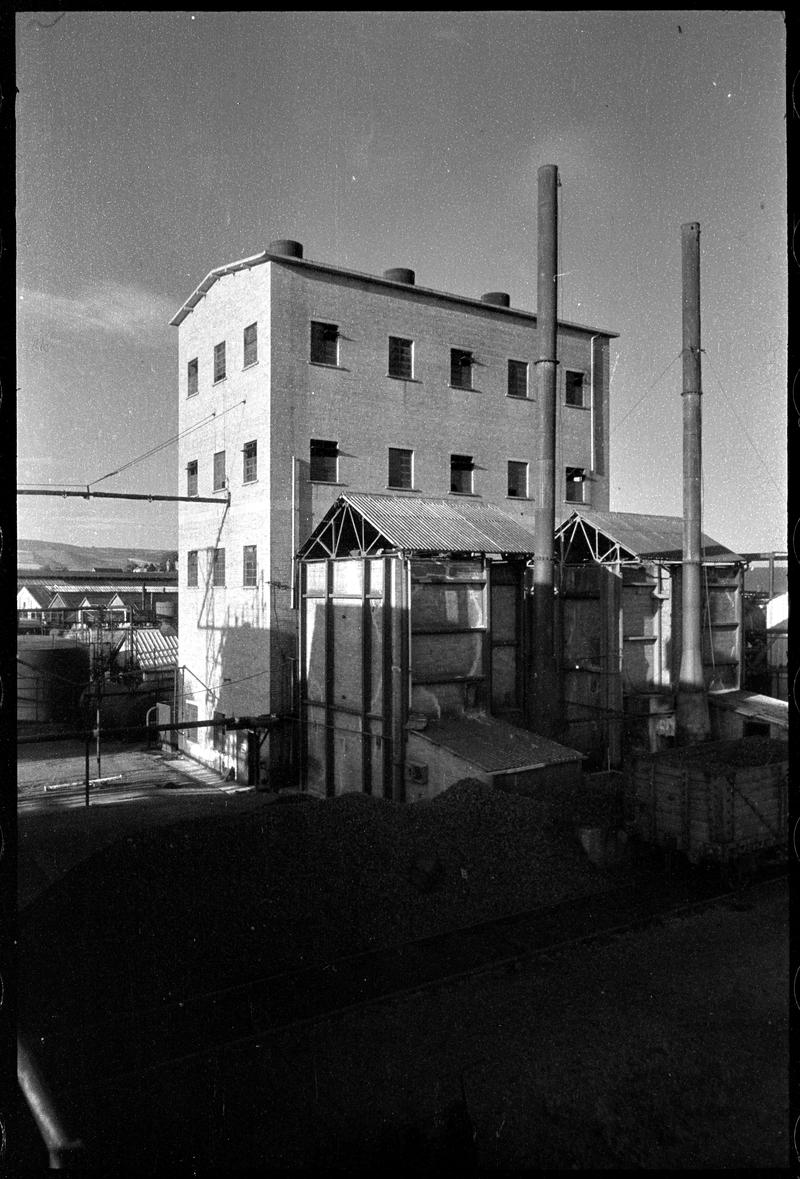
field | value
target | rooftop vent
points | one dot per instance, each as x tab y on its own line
497	298
286	248
400	274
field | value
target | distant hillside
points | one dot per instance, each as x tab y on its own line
52	554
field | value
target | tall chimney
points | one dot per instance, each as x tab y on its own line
544	672
691	718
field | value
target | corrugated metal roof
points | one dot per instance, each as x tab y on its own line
647	536
426	524
752	704
494	745
56	586
152	648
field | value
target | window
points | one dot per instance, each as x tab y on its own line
517	479
461	468
324	343
324	464
191	378
401	358
249	462
191	567
401	467
573	388
461	363
219	470
191	477
576	480
517	378
219	361
250	344
249	565
218	570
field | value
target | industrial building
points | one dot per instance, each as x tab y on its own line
300	382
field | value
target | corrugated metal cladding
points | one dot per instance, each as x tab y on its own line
154	649
91	587
651	536
425	524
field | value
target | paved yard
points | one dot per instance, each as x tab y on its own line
141	788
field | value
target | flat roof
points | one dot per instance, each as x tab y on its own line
339	272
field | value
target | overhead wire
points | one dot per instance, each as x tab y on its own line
648	391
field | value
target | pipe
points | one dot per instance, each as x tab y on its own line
692	723
543	673
62	1148
592	455
292	596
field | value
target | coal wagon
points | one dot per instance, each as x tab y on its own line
722	801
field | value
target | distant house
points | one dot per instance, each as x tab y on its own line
32	603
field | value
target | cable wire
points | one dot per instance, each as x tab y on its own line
618	425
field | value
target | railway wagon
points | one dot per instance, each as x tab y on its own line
722	801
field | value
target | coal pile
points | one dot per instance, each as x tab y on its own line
203	904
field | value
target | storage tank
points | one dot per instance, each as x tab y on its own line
51	674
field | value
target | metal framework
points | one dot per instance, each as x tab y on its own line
345	531
603	549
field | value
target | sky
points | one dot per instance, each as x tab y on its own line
154	146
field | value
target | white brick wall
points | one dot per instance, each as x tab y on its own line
241	641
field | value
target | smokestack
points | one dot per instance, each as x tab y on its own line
691	718
544	672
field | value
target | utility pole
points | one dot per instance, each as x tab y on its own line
691	715
544	678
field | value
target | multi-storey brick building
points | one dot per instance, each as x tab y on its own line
298	380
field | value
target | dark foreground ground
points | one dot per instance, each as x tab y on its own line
664	1048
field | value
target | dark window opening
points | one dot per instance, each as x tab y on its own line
324	343
250	344
576	481
191	567
573	388
324	461
461	363
518	479
401	467
219	470
401	358
218	573
517	378
191	477
461	477
219	361
249	462
192	378
249	565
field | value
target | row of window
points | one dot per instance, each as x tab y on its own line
249	566
324	349
220	479
220	366
324	468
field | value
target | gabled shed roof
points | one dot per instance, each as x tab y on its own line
633	536
366	522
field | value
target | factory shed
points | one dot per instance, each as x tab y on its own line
413	636
621	601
